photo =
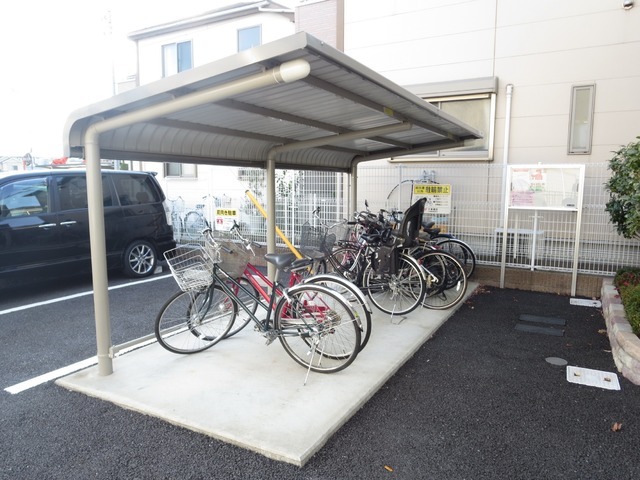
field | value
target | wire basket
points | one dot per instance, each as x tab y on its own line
232	255
316	242
342	231
191	266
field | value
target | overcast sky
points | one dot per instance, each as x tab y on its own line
63	55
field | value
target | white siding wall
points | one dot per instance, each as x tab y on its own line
210	42
543	48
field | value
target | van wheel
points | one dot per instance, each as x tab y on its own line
140	259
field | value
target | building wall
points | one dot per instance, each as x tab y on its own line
324	19
210	42
542	48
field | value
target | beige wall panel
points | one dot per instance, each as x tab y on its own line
381	23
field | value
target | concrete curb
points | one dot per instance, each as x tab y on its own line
625	345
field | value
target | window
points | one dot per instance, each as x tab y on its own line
249	37
176	57
183	170
135	189
24	197
72	192
581	121
477	111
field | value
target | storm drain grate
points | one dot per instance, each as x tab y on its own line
545	325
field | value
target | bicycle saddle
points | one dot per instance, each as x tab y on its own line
284	260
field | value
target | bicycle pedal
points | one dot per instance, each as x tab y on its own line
271	335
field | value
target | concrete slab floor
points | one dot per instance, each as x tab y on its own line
253	396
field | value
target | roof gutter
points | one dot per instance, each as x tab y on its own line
285	73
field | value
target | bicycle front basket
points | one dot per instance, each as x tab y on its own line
191	267
312	241
234	255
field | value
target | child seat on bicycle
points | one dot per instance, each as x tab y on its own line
411	223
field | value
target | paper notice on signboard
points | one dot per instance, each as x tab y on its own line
544	187
225	218
438	197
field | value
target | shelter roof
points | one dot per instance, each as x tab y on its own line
338	114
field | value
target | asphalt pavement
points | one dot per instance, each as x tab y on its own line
485	398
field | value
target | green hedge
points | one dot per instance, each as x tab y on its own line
627	281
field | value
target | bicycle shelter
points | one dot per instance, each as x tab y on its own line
295	103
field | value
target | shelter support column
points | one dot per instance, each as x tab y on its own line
271	211
98	254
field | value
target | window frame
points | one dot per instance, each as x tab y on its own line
449	155
246	29
187	175
573	130
173	51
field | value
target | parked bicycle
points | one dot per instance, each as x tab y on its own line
177	208
196	221
315	325
445	280
431	237
393	279
239	253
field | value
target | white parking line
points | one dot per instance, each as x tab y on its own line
89	362
78	295
61	372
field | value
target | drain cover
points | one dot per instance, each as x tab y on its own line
521	327
561	362
525	317
593	378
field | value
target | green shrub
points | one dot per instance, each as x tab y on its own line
624	190
631	302
626	277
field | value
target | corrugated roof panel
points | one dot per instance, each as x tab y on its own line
339	96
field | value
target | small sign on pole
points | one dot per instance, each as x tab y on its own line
438	197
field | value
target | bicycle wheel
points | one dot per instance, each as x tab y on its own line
194	225
353	295
347	261
317	328
399	293
193	321
248	297
446	280
461	251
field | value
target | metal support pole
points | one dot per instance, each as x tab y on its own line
98	260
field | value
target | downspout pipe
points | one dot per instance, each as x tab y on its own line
285	73
505	172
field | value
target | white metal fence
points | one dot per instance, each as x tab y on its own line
540	239
543	240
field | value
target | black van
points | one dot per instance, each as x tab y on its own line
44	227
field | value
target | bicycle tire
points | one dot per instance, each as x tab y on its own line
250	302
353	295
399	293
317	328
461	251
446	280
194	225
191	322
348	262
